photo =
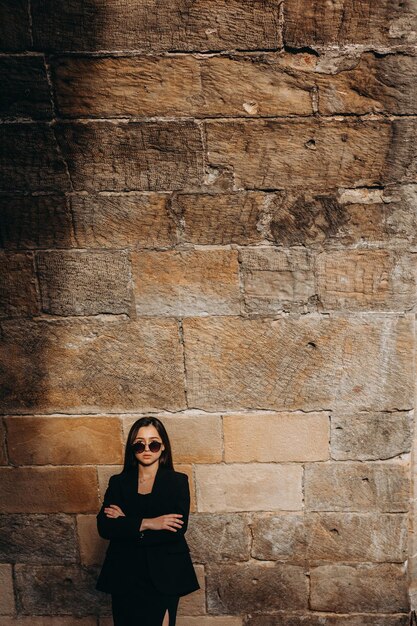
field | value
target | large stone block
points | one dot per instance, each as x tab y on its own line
30	159
354	216
319	154
92	546
150	25
310	363
37	538
248	587
31	620
276	280
357	486
219	537
48	490
58	590
370	436
249	487
279	437
191	282
326	619
195	602
118	220
378	588
356	537
93	366
143	156
373	24
366	84
64	440
222	218
209	620
279	537
25	90
110	220
18	289
85	282
3	449
7	601
194	438
363	280
238	85
14	25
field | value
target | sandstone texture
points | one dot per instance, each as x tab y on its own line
208	214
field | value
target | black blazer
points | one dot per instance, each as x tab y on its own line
167	552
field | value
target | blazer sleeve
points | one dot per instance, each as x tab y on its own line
123	528
180	496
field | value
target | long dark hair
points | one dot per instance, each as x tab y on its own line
165	460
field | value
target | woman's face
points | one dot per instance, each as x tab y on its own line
148	434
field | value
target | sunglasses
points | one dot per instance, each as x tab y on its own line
140	446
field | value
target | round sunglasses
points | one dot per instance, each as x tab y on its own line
140	446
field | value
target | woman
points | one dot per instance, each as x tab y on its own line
145	515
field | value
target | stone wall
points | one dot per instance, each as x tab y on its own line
208	213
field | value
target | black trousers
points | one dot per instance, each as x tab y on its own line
143	607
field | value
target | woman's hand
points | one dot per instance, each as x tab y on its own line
114	511
170	521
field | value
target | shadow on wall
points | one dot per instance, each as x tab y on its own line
47	295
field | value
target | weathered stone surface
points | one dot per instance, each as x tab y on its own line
187	468
194	438
113	220
114	365
18	292
7	601
346	588
59	590
330	537
104	472
369	84
235	487
14	25
195	603
363	280
373	24
64	440
325	619
31	620
219	25
220	537
244	588
234	85
42	539
277	280
279	538
370	436
131	220
220	218
310	363
92	546
25	90
357	537
146	156
3	451
279	437
48	490
357	486
30	159
331	219
315	153
192	282
84	282
208	620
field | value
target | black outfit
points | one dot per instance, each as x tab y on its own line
145	571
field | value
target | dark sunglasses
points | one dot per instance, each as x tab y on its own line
140	446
